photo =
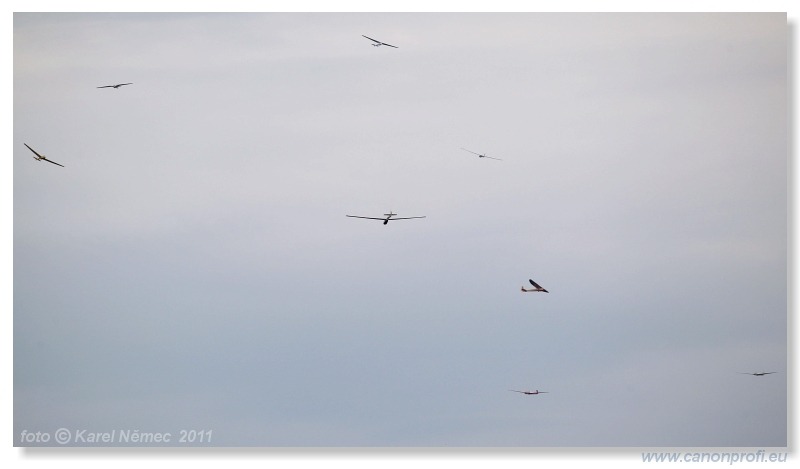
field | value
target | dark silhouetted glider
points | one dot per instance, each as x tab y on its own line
386	217
115	86
536	287
480	155
378	43
39	157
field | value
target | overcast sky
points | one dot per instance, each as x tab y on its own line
191	265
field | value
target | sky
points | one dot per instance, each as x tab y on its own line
191	266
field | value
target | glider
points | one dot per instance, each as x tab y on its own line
387	217
379	43
536	287
760	373
39	157
530	393
115	86
481	156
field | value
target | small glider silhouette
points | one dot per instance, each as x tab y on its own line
387	217
115	86
529	393
39	157
536	287
761	373
480	155
379	43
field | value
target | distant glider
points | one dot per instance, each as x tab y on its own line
761	373
480	155
39	157
115	86
379	43
530	393
536	287
387	217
